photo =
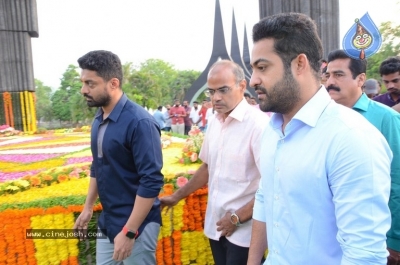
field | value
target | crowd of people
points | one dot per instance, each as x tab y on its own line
179	118
317	182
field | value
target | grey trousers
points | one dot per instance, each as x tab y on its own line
143	253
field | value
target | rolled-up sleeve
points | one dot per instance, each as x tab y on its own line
259	207
147	155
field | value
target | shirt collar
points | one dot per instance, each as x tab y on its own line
238	112
116	112
310	112
362	103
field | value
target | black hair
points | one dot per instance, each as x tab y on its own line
293	34
106	64
390	66
356	66
159	108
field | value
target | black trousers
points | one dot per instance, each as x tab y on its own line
226	253
187	129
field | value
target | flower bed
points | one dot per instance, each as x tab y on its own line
44	185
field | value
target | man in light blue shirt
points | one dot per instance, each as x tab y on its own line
159	117
345	78
325	170
167	119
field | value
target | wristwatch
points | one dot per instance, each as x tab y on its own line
235	219
129	233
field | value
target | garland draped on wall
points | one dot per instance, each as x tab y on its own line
19	110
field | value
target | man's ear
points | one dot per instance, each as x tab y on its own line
300	63
242	85
361	79
114	83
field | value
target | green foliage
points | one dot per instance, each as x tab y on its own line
43	101
390	47
182	83
156	82
68	104
150	84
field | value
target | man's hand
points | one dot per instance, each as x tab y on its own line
81	224
393	258
123	246
168	201
225	225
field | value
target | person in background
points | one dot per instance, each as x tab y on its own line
159	117
203	114
346	76
371	88
253	101
325	170
195	116
230	155
390	73
187	120
126	169
177	114
247	97
210	114
167	118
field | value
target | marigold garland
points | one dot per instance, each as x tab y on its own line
23	110
8	109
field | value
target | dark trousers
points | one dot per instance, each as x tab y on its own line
187	129
226	253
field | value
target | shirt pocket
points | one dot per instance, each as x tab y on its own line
237	168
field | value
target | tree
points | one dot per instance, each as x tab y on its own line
184	80
68	104
390	47
43	101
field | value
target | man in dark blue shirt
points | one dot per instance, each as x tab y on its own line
126	168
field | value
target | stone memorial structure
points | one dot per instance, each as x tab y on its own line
18	24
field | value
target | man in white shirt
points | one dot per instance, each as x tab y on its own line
195	116
231	156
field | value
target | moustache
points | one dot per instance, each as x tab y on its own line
260	88
332	87
87	96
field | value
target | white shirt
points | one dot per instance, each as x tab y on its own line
194	115
325	187
231	150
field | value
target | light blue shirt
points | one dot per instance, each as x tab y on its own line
167	119
324	187
387	121
159	117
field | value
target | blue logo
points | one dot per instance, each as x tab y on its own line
363	39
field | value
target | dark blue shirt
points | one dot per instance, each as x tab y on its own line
130	164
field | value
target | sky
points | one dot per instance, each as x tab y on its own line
179	32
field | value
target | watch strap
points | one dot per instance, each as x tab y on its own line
237	223
125	230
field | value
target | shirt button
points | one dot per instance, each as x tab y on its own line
277	169
276	197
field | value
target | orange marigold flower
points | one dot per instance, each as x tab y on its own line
47	177
35	181
62	178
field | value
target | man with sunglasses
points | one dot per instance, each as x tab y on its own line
231	156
